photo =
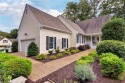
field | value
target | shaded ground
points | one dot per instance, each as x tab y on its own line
67	72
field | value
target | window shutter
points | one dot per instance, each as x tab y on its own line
55	42
67	42
62	43
47	42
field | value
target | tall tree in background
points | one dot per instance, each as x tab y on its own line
115	7
71	11
3	34
13	33
83	10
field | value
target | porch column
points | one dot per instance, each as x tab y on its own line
91	42
99	38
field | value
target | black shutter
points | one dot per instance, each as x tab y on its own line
62	43
67	43
47	42
55	42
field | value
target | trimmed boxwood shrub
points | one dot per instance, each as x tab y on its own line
52	57
112	67
67	53
15	46
41	57
59	55
83	47
93	54
32	49
114	30
103	55
16	66
115	47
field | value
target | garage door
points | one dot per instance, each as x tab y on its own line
25	44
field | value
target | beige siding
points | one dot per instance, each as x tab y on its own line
73	35
29	26
51	33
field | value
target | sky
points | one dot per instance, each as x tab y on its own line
11	10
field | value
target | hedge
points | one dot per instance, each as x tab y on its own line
114	30
16	66
115	47
112	67
15	46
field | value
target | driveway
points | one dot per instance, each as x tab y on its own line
41	70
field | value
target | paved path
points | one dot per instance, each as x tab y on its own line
41	70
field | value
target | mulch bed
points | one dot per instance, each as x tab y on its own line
47	60
67	72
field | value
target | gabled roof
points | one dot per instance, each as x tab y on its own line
48	20
94	25
75	26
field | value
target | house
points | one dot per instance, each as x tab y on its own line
6	43
50	32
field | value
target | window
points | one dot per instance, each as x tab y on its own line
64	43
78	37
50	43
83	39
5	41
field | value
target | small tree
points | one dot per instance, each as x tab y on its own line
114	30
15	46
32	49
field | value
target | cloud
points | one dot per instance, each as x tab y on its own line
53	12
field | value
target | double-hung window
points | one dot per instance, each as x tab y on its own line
78	37
50	43
64	43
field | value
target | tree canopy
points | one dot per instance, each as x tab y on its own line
85	9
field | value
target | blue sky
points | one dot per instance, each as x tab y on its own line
11	10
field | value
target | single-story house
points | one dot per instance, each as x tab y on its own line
50	32
6	43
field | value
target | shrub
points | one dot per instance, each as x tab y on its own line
50	52
15	46
18	67
4	74
52	57
112	66
93	54
41	57
73	51
59	55
15	66
83	47
57	50
103	55
32	49
82	62
86	47
115	47
84	72
90	59
66	49
114	30
67	53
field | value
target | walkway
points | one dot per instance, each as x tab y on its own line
41	70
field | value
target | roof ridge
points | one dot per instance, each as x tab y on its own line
40	10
